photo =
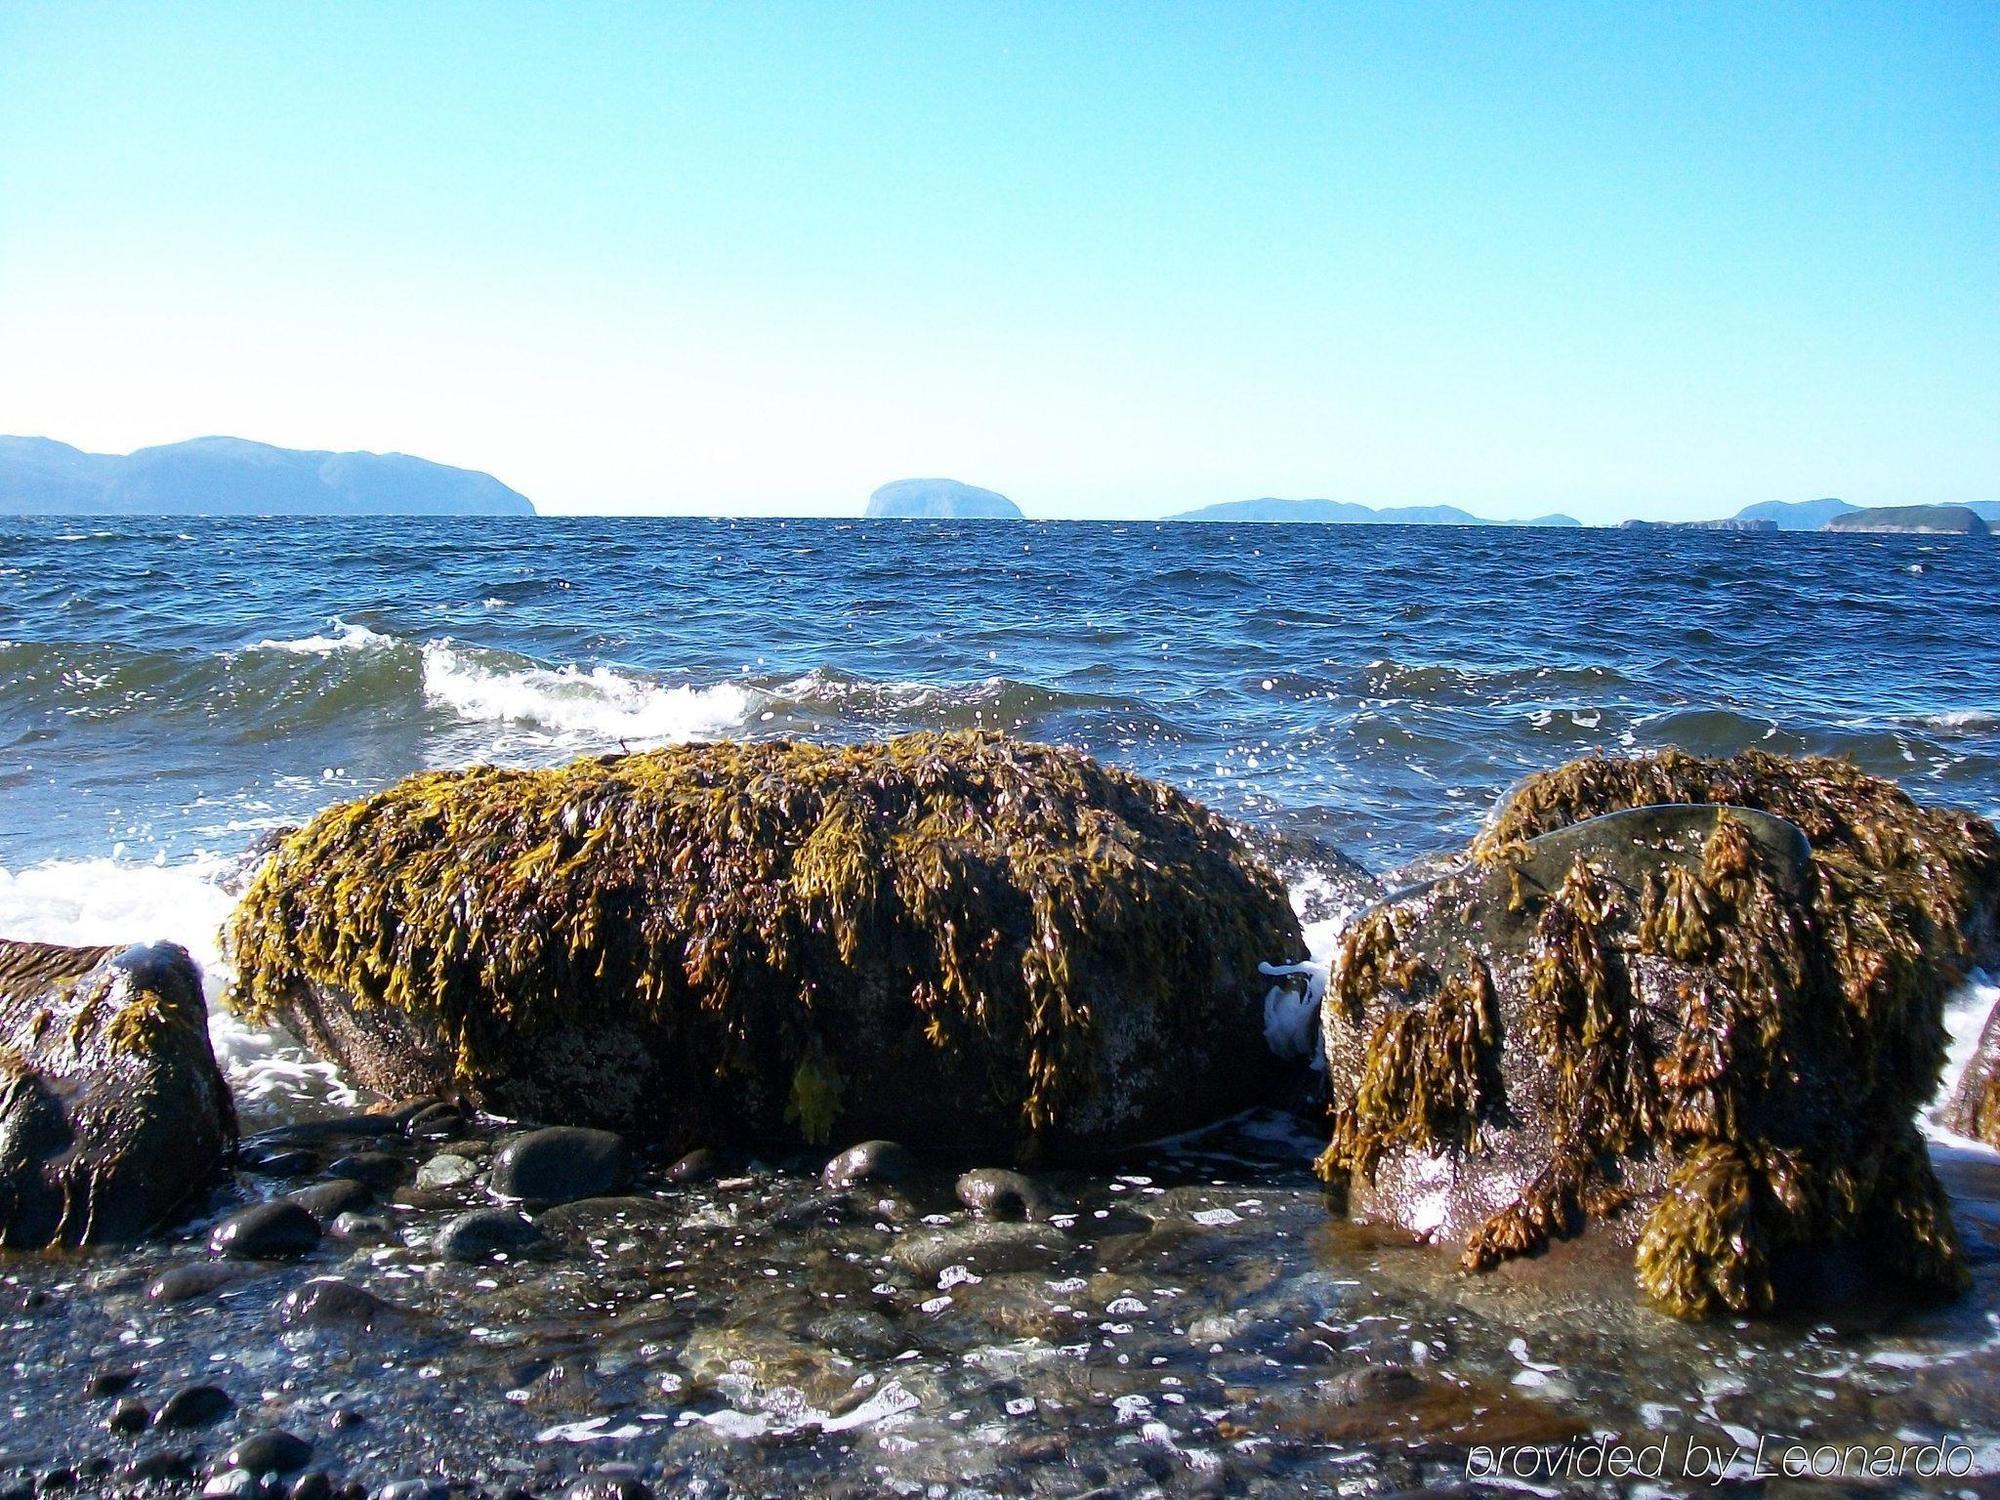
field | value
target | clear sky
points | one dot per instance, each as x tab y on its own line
1611	259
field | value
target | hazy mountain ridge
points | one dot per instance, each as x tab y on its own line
232	476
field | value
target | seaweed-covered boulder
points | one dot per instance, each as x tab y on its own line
959	939
1974	1106
113	1115
1691	1005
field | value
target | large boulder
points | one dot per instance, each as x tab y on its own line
113	1115
956	939
1691	1006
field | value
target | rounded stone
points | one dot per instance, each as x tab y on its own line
560	1164
329	1300
446	1170
194	1406
327	1201
362	1229
995	1193
485	1232
870	1161
129	1416
699	1165
268	1231
272	1451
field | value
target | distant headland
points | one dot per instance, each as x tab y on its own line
939	500
225	476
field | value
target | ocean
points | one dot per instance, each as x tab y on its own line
170	690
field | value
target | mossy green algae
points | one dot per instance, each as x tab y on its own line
767	912
1767	1048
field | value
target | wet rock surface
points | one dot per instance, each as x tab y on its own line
1186	1321
113	1115
1682	1029
959	939
560	1164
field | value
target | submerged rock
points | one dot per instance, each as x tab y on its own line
959	938
1704	1031
113	1115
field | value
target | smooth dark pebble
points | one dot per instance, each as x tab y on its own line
362	1229
560	1164
129	1416
272	1451
327	1201
699	1165
311	1486
194	1406
111	1381
485	1232
267	1231
870	1161
331	1300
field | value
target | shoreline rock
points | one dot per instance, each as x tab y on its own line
1692	1005
113	1115
960	939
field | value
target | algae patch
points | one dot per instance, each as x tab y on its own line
1670	1029
954	931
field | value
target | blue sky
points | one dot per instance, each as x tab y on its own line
1112	260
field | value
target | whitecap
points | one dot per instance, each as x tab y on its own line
345	637
570	706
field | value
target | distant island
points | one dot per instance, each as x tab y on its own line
1839	515
939	500
224	476
1346	512
1933	520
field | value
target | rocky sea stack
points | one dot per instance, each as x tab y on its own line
113	1115
1702	1028
960	939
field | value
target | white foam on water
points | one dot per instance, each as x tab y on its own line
572	706
1965	1013
1291	1017
345	637
109	900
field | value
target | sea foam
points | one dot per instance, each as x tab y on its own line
80	902
571	708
